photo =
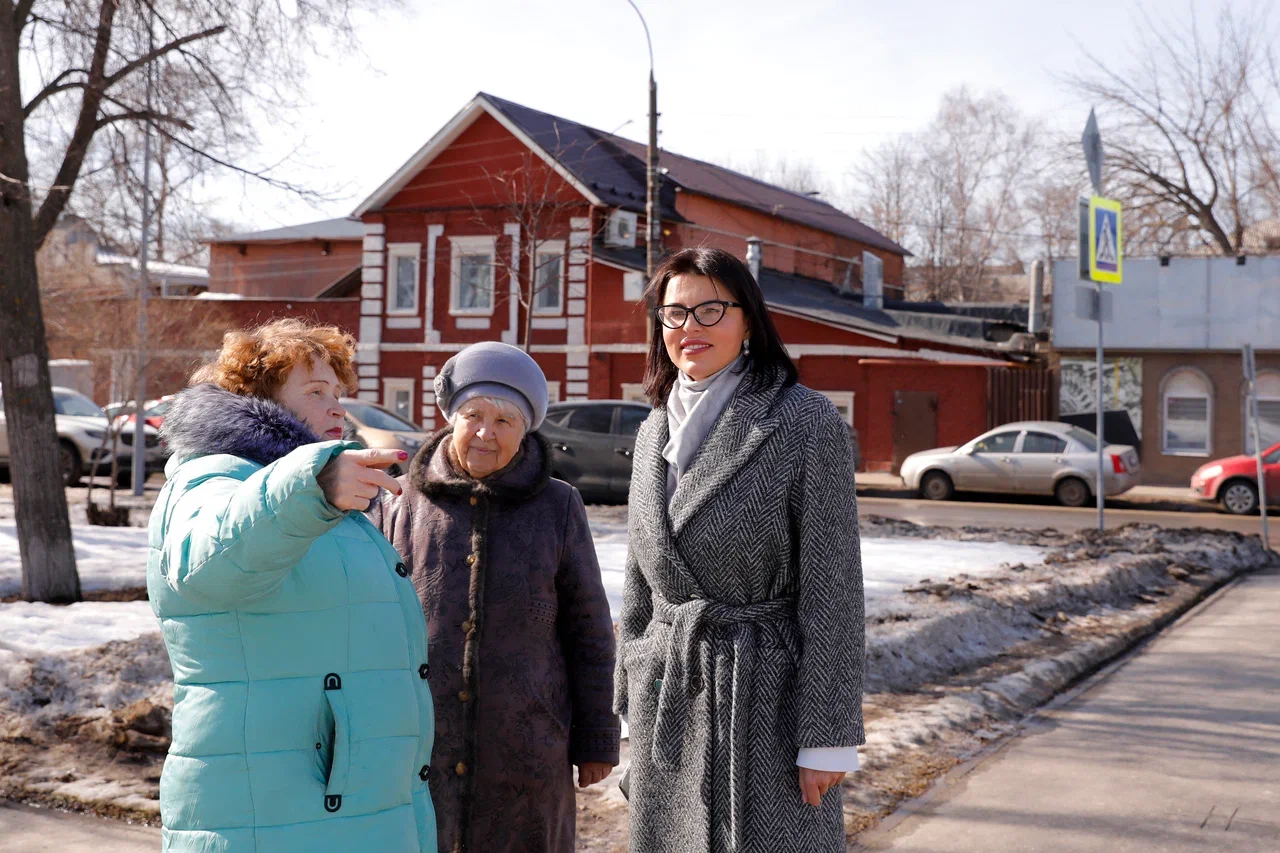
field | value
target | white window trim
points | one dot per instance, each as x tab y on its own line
553	392
633	392
459	246
1244	408
841	398
1164	424
403	250
549	247
391	387
629	274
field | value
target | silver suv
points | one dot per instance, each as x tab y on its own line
81	425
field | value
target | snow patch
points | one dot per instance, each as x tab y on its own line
107	558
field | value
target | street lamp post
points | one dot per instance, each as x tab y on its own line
651	214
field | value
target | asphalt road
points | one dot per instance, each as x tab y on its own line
24	829
1028	515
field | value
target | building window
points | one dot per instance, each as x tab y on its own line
397	395
548	287
402	277
633	286
471	275
844	403
553	392
1268	412
1187	404
633	392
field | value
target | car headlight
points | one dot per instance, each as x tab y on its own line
408	441
1211	472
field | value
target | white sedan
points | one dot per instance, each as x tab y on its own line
1029	458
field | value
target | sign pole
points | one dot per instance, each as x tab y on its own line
1251	374
1101	490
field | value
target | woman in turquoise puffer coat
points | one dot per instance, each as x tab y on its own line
302	717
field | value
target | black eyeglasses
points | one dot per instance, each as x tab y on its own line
706	313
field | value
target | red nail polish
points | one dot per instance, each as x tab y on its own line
403	456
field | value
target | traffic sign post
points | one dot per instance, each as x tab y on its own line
1101	261
1251	376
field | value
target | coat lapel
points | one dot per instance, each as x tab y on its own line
649	512
745	424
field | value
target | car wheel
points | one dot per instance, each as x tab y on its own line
1072	492
72	470
1240	497
937	486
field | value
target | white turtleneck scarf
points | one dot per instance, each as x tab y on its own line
692	410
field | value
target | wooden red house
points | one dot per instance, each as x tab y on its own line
511	224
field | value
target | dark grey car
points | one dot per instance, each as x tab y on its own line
592	444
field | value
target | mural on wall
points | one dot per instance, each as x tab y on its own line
1122	387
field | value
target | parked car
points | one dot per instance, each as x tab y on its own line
1234	481
154	410
81	426
592	444
1031	458
381	428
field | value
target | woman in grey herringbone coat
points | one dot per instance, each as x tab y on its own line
741	638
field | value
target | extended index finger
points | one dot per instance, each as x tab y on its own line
377	458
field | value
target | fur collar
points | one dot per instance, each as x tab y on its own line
434	474
206	420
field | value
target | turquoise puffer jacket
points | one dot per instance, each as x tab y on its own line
302	718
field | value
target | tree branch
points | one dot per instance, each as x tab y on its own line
142	115
133	65
21	14
54	87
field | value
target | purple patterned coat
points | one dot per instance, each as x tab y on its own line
522	647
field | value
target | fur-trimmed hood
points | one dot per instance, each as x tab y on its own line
206	420
434	473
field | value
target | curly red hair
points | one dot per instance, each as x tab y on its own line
256	362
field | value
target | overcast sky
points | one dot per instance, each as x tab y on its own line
812	80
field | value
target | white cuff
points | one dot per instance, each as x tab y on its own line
830	759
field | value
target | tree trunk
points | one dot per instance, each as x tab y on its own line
40	502
530	292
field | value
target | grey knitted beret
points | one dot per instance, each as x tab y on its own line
493	369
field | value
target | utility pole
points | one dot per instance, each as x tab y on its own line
652	215
144	287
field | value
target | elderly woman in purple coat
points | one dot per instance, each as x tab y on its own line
522	646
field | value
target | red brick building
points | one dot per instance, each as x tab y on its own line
446	262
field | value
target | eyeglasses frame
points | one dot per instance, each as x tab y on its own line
689	312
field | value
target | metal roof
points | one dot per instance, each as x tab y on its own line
326	229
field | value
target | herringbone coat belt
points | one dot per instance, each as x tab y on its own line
682	681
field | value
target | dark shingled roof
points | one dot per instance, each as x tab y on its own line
614	169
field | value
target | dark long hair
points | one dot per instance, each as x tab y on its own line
768	360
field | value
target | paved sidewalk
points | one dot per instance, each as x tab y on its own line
29	830
1178	749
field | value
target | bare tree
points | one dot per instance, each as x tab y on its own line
537	199
203	74
885	194
1189	128
798	176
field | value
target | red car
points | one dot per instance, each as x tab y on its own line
1234	482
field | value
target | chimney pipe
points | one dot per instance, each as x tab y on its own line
755	255
872	282
1035	313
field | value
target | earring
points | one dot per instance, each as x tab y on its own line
746	347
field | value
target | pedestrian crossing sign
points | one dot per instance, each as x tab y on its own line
1105	253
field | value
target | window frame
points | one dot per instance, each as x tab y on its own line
553	391
1244	409
1166	396
633	392
1022	445
612	410
1017	441
394	385
396	251
473	245
549	247
841	398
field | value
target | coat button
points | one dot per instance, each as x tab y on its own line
461	769
464	696
695	684
466	627
474	500
425	773
424	671
471	559
401	570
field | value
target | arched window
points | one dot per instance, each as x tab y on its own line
1268	410
1186	398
